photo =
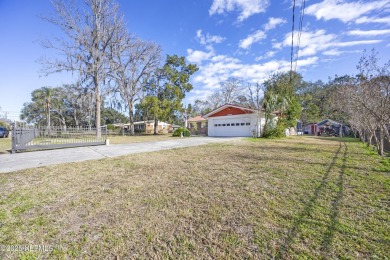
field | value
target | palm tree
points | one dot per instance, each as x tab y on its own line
43	97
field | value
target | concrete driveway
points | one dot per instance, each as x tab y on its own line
20	161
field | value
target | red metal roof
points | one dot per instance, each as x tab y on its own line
247	110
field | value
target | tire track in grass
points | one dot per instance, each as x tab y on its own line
294	231
335	210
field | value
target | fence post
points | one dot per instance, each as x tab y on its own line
13	138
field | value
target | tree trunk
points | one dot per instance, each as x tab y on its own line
381	142
155	132
48	115
363	136
98	104
89	120
131	116
369	140
76	121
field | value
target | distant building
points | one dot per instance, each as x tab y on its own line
198	125
148	127
310	129
326	127
329	127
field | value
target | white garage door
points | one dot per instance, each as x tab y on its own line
232	127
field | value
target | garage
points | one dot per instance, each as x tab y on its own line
233	120
232	127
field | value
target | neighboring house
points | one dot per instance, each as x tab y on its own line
235	120
330	128
148	127
310	129
198	125
326	127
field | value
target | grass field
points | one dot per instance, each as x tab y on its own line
118	139
300	197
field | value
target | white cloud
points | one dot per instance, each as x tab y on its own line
333	52
306	62
208	39
369	33
366	19
198	56
342	10
277	45
261	34
252	38
312	43
273	22
337	52
246	8
222	67
199	94
269	54
354	43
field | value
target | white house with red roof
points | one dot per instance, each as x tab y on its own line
235	120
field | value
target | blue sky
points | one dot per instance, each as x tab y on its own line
248	39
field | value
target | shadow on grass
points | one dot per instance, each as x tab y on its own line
335	210
294	150
300	219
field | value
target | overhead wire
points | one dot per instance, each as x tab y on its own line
292	40
301	15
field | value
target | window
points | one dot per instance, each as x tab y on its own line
223	124
242	123
228	124
219	124
237	124
248	123
216	125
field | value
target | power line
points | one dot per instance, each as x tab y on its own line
301	15
292	40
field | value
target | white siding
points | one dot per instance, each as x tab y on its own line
235	125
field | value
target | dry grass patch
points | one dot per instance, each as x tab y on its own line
291	198
118	139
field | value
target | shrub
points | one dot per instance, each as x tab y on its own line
275	132
5	124
180	130
110	127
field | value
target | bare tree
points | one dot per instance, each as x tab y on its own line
90	29
367	100
255	95
131	64
230	91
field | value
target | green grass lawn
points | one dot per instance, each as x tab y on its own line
294	198
5	145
